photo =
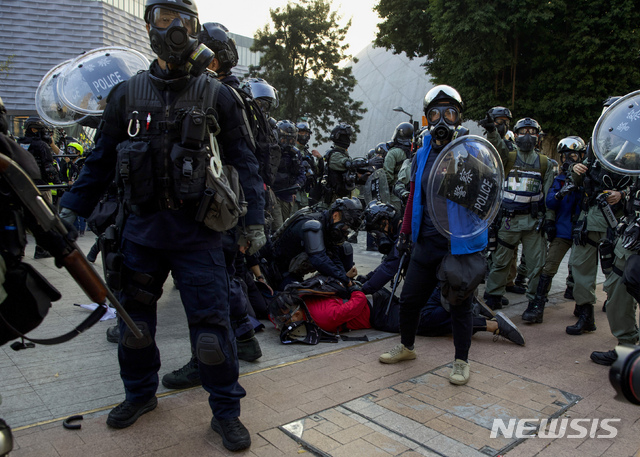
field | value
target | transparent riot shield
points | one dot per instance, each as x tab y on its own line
465	187
616	136
49	103
86	82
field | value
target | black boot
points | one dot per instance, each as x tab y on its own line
577	310
586	322
41	253
568	293
604	306
493	301
535	310
248	347
521	281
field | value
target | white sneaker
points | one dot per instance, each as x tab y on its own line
398	354
459	373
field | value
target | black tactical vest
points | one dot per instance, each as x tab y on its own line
163	163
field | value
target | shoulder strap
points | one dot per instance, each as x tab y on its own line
511	160
544	163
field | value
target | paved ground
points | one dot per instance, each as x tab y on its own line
319	386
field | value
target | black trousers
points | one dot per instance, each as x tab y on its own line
419	284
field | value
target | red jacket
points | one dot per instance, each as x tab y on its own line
330	313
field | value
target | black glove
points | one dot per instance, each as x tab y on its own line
488	124
550	229
55	243
631	237
404	243
361	279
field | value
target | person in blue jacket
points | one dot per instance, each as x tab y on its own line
563	208
443	110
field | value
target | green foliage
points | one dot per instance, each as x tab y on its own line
301	59
5	66
555	61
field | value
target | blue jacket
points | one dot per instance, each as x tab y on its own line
459	217
565	209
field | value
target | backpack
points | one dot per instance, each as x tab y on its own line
318	285
261	138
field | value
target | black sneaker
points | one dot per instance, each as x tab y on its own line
604	358
235	436
113	334
41	253
126	413
508	329
183	378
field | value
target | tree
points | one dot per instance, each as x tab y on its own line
554	61
301	59
5	66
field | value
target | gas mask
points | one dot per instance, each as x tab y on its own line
339	232
384	243
176	43
442	120
526	142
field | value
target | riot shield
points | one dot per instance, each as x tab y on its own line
86	82
377	187
465	187
49	103
616	136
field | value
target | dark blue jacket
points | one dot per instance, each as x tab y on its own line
565	209
166	229
383	273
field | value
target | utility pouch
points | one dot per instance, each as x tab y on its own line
29	297
226	201
188	172
112	258
579	233
135	171
194	128
492	243
607	256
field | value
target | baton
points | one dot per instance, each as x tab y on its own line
395	282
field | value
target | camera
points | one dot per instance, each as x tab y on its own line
624	374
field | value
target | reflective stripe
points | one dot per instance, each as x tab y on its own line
510	196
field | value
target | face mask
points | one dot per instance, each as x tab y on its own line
526	142
337	233
502	129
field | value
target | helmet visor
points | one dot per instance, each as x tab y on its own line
450	114
527	130
162	18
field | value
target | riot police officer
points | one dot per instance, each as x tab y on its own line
563	207
314	168
37	141
528	177
316	241
215	36
340	176
291	174
161	198
399	152
443	110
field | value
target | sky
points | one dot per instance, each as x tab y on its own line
244	17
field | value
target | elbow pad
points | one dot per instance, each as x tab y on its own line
313	237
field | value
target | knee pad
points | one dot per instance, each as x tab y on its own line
208	349
130	341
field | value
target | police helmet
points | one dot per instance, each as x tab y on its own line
527	122
376	213
304	132
188	6
34	122
75	148
351	209
382	149
341	135
215	36
403	134
371	154
262	90
287	132
500	111
571	144
442	93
